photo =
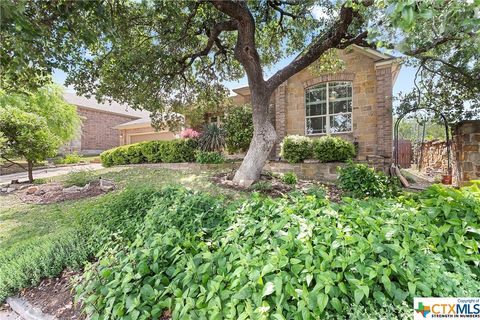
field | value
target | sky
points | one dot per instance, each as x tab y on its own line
404	81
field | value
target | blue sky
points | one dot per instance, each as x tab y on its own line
404	81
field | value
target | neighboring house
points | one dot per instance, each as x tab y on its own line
355	103
141	130
98	123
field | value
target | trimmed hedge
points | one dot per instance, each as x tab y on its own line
331	149
296	148
178	150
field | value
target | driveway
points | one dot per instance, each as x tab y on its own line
47	173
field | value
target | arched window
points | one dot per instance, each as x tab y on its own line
328	108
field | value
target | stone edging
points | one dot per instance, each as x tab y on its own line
26	310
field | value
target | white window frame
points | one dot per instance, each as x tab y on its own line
327	114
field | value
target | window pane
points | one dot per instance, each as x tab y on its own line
340	106
316	125
339	90
316	94
316	109
340	123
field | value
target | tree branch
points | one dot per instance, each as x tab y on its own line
331	39
18	164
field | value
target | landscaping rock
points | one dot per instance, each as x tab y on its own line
32	189
73	189
24	186
106	185
39	192
10	190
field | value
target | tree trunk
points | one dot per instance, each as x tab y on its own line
264	137
30	171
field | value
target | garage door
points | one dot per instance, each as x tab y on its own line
152	136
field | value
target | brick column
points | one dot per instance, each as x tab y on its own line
384	110
280	115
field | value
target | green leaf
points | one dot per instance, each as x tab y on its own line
322	301
147	292
244	293
358	295
268	289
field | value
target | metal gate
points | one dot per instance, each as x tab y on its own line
405	153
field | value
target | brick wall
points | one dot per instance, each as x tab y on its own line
97	129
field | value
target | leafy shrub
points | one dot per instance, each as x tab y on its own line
261	186
189	133
212	138
331	149
296	148
288	258
238	127
317	191
78	178
290	178
177	150
361	181
209	157
72	158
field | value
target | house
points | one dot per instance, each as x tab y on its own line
355	103
99	130
141	130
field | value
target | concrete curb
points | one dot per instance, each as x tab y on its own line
27	311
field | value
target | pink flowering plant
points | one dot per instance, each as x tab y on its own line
189	133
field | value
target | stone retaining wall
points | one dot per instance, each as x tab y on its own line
307	171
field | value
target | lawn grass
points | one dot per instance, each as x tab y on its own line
24	222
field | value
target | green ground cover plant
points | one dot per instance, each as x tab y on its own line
290	178
290	258
361	181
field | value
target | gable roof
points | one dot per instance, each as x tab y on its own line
378	57
114	107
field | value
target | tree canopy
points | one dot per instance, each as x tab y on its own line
164	55
33	126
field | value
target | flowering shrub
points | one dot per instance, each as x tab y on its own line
189	133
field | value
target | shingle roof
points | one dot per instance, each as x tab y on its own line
113	107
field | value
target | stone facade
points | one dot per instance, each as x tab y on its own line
97	130
372	76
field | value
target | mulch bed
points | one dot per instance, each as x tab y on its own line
54	296
278	187
55	192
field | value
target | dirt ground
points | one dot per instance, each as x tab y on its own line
273	186
54	296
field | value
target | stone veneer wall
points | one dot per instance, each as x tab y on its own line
467	151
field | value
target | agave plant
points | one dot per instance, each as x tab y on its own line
212	138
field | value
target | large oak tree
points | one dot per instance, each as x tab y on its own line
162	55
